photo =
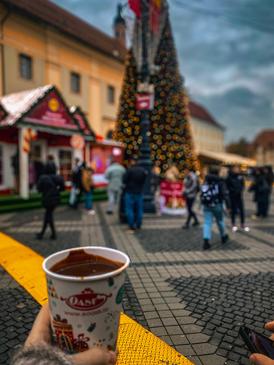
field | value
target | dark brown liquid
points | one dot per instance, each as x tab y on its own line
80	263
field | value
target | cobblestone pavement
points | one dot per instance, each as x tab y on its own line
193	300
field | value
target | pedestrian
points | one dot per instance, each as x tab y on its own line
261	190
39	349
191	189
213	196
235	185
50	185
39	168
88	187
50	164
155	188
114	174
32	173
270	178
75	191
134	181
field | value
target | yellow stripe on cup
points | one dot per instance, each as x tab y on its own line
136	345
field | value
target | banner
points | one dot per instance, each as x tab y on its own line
155	12
135	6
171	198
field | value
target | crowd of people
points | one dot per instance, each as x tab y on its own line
222	195
219	194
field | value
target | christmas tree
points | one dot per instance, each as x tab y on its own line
170	136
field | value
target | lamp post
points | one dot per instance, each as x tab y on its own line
144	156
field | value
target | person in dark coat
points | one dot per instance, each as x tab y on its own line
50	186
134	181
235	185
51	165
261	190
269	178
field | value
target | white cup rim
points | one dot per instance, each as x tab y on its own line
86	278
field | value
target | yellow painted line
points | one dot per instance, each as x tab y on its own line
25	266
136	345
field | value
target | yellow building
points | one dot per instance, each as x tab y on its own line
42	44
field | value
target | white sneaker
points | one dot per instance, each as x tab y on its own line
91	212
246	229
234	229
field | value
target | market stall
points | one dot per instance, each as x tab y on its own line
35	124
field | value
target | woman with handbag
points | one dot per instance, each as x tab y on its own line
88	187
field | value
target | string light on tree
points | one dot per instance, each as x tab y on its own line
170	138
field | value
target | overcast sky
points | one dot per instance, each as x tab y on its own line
226	55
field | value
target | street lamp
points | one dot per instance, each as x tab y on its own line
145	90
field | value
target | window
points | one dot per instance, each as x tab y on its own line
65	164
75	82
111	94
1	165
25	66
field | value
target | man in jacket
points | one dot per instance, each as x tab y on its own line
50	185
191	188
134	181
213	196
114	174
235	186
76	186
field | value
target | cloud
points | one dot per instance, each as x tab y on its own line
226	55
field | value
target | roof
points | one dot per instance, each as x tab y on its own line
201	113
82	121
265	139
227	158
18	104
43	108
64	21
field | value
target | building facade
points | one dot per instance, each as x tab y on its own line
263	147
208	135
42	44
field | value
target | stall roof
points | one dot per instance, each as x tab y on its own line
3	112
227	158
41	108
83	122
18	104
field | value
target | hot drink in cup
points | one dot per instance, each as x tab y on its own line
85	290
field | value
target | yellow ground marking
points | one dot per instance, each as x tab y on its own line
136	345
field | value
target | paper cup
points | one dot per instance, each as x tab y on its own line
85	311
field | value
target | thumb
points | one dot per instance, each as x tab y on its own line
259	359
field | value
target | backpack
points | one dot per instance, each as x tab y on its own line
210	195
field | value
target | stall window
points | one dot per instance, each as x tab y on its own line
65	164
75	82
111	94
1	165
25	66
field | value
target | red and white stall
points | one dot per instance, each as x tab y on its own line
37	123
34	124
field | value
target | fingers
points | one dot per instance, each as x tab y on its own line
95	356
270	326
258	359
40	332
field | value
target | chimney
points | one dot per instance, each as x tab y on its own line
119	26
